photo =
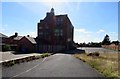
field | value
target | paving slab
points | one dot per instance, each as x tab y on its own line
6	56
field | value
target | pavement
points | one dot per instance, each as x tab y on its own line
6	56
57	65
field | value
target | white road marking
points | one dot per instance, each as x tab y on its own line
28	69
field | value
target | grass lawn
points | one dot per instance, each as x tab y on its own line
105	63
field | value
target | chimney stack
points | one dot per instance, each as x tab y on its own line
28	35
16	34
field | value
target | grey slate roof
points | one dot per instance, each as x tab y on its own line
31	39
18	37
3	36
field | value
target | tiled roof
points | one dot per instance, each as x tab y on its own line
18	37
2	35
31	39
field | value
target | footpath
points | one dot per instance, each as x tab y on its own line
8	56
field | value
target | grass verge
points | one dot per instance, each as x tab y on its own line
106	63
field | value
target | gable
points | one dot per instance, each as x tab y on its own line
27	40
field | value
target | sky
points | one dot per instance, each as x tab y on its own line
91	20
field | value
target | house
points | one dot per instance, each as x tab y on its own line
3	39
116	42
55	33
26	44
19	43
13	41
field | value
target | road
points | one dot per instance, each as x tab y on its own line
57	65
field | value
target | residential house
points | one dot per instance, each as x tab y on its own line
3	39
26	44
13	41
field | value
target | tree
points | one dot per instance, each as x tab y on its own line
106	40
116	42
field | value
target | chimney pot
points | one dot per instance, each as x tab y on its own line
28	35
16	34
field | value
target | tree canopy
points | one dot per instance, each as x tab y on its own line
106	40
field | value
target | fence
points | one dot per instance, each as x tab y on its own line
112	46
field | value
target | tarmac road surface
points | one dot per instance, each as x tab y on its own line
57	65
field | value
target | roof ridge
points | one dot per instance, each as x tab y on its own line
2	35
31	39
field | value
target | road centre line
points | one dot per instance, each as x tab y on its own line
28	69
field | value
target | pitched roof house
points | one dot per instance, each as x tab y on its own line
27	44
3	39
13	41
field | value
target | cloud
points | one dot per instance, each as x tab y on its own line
82	35
101	31
82	30
114	33
33	34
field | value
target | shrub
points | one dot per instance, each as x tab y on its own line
44	55
17	61
11	63
96	54
90	54
4	63
93	54
6	48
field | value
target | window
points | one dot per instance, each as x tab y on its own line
40	33
61	32
59	21
58	32
40	27
46	26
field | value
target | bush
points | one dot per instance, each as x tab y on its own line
11	62
17	61
6	48
27	59
96	54
44	55
93	54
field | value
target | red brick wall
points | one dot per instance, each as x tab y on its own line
60	22
25	43
113	47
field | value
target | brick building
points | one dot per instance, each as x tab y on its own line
20	43
55	33
3	39
13	40
26	44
